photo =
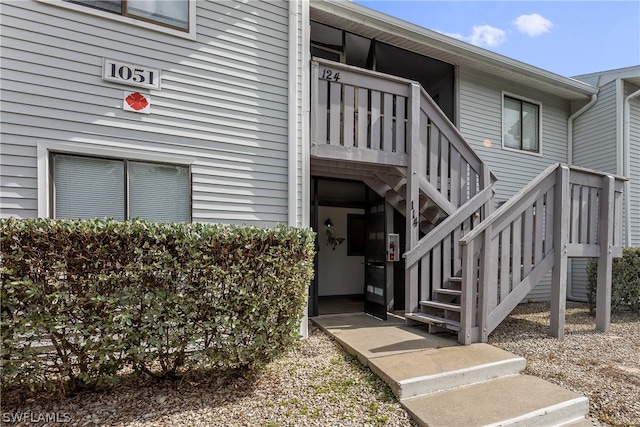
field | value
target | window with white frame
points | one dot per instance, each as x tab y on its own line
521	124
94	187
169	13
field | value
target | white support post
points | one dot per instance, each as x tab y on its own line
603	292
488	286
467	303
315	110
412	197
562	208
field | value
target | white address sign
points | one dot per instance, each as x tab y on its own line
130	74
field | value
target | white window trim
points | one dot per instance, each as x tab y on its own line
191	34
84	149
531	101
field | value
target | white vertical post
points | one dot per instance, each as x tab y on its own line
467	306
412	197
603	292
485	181
318	109
488	286
562	208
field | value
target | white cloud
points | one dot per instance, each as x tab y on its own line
533	25
482	35
486	35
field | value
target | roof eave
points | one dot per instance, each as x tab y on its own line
452	50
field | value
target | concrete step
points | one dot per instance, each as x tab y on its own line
518	400
442	383
434	370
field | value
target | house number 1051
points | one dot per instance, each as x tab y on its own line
130	74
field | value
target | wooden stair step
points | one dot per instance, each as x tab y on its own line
446	291
441	305
442	322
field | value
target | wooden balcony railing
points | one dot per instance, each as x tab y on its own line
365	116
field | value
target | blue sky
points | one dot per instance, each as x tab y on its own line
565	37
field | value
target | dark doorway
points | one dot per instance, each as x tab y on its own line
375	288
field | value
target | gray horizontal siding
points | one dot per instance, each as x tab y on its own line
223	101
481	119
634	161
578	289
594	141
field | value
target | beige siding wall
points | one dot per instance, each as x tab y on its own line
223	101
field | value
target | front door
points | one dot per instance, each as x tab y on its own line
375	294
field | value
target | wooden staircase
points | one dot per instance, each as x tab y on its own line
466	266
442	313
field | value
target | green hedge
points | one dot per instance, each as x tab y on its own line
81	300
625	282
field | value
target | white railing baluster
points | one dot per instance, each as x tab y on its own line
348	128
363	117
335	107
539	230
387	123
400	123
374	126
517	251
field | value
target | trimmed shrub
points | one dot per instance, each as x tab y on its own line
80	300
625	282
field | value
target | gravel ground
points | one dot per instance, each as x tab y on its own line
318	384
603	367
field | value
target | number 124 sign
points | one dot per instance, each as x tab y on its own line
130	74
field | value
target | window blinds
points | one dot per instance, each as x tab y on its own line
87	187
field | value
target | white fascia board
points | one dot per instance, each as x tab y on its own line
630	74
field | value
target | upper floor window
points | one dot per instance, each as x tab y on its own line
521	124
168	13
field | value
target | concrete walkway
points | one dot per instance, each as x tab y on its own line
442	383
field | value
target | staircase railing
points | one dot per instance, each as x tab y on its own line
564	212
449	172
436	258
369	117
